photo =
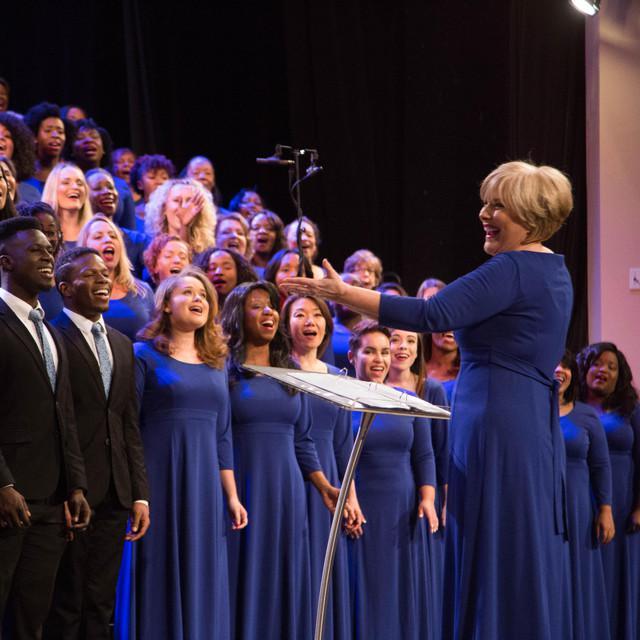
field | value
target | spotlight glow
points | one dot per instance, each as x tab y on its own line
589	7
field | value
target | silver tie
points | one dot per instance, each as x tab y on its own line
35	315
103	355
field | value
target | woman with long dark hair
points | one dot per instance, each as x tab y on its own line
269	563
606	384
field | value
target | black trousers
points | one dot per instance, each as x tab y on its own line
85	588
29	560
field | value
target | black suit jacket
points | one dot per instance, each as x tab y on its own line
39	449
107	427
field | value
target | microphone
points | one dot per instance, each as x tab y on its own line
275	161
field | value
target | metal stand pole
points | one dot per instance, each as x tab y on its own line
327	570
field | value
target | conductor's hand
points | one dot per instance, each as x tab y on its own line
426	509
140	521
14	511
239	517
79	510
330	287
634	521
605	528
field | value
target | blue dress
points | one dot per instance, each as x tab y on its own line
621	557
434	392
129	314
269	561
505	509
333	438
588	477
181	573
390	562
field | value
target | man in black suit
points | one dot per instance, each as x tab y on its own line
40	460
103	384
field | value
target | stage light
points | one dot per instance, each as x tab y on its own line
590	7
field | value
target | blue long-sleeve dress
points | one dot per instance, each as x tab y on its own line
505	506
269	561
588	487
621	557
181	573
390	562
333	438
129	314
435	393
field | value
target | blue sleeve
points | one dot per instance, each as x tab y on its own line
342	440
125	215
305	448
147	296
635	426
223	427
422	459
435	394
141	369
598	458
483	293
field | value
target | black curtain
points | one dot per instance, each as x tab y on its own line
410	104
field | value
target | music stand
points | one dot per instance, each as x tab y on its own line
354	395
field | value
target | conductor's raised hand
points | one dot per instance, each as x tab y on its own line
14	511
330	287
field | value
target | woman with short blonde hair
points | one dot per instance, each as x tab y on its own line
184	208
67	192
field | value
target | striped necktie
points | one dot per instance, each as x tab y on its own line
36	316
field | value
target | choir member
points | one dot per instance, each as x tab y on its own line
181	574
201	169
407	371
274	452
248	202
266	236
505	509
7	208
50	300
166	256
309	241
589	517
122	161
17	144
430	287
102	378
225	270
131	300
49	130
105	198
73	113
308	325
183	208
606	385
232	232
41	466
147	174
66	190
396	487
442	359
366	266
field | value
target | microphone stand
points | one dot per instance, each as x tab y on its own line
295	181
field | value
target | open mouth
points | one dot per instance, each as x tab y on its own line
490	231
175	270
108	253
233	244
197	309
377	369
268	324
102	292
107	199
47	272
401	356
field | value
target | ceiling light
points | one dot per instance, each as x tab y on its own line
589	7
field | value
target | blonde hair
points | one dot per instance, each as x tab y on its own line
123	272
209	341
50	191
201	228
538	198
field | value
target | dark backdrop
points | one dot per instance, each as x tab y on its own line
410	104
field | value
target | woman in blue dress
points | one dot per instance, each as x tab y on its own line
407	371
396	486
269	563
589	516
505	506
131	303
308	325
606	385
181	573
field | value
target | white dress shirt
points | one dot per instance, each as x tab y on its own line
22	310
84	326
